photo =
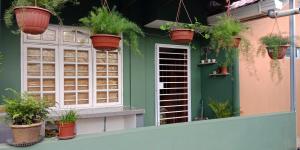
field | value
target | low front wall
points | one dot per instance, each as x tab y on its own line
269	132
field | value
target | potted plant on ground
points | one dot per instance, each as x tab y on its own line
26	115
106	27
221	109
183	33
67	125
33	16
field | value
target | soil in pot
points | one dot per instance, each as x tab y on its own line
26	134
223	70
32	20
105	42
280	54
182	36
66	131
237	41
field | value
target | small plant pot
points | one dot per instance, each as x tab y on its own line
32	20
237	41
280	54
105	42
26	134
182	36
66	131
223	70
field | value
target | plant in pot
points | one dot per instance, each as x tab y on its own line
67	125
221	109
225	34
276	45
33	16
106	27
26	115
183	33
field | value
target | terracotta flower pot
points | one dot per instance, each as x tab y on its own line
182	36
32	20
105	42
223	70
237	41
66	131
26	134
280	54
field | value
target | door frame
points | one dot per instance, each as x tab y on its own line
157	99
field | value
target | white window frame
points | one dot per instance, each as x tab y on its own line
157	83
58	45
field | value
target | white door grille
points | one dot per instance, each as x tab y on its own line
172	90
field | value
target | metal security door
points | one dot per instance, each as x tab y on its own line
172	84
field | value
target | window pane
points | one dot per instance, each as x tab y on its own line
33	69
34	85
33	54
48	55
69	36
48	70
70	99
69	84
49	84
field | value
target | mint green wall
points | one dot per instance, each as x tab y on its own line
10	74
269	132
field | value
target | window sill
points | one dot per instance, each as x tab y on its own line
99	112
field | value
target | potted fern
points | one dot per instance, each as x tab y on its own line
67	124
276	45
183	33
26	115
33	16
221	109
106	27
225	34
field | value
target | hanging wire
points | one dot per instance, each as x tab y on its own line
35	3
105	4
228	8
277	25
181	3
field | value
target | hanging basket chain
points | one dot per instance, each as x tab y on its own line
277	25
181	3
35	3
228	8
105	4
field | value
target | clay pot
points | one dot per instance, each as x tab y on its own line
223	70
26	134
105	42
182	36
280	54
237	41
32	20
66	131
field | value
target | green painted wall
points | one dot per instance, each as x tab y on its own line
270	132
139	76
10	74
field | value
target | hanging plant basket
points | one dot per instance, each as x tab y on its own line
182	36
237	41
32	20
280	54
26	134
66	131
105	42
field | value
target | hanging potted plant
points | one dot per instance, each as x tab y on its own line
276	45
66	125
26	115
106	27
33	16
225	34
183	33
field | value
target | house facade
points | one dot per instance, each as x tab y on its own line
116	89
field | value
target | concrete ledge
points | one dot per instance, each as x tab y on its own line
99	112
